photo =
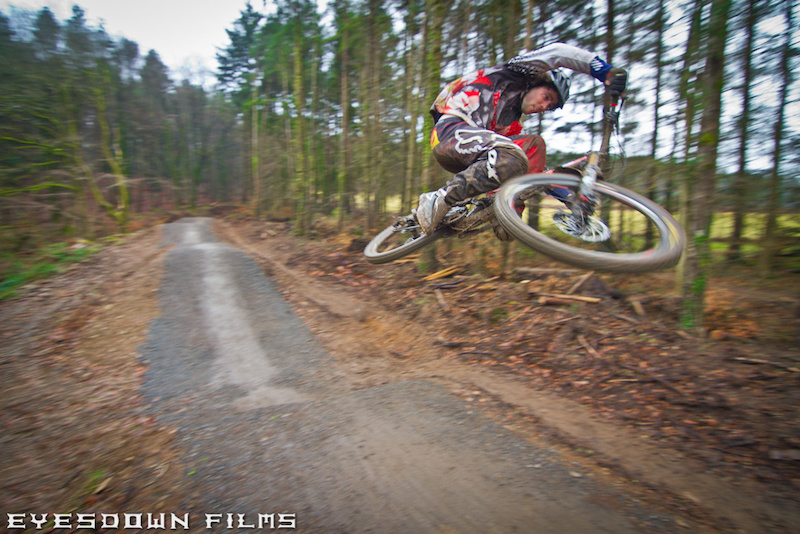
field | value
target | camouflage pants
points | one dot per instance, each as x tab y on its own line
481	159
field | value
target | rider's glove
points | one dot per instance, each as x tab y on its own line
616	81
614	78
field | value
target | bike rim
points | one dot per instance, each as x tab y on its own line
396	241
632	213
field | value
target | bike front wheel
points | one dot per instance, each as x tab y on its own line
627	233
400	239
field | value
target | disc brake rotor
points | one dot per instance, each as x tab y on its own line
590	229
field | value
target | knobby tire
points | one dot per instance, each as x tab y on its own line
374	255
666	253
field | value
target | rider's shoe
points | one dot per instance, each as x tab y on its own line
564	194
431	210
501	233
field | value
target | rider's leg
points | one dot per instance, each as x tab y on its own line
494	167
536	152
486	174
486	158
535	149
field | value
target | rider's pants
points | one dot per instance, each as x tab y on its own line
482	159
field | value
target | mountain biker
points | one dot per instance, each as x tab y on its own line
477	131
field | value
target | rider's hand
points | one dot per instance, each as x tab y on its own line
616	81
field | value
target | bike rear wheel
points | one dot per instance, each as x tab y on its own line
613	239
398	240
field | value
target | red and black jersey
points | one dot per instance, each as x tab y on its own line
492	98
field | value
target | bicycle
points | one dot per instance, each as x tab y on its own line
588	208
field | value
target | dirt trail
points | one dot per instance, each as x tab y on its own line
274	426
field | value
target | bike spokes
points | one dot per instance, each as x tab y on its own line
402	238
597	222
406	229
609	228
581	226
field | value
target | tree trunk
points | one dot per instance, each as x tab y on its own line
741	183
528	42
652	175
686	170
376	143
435	12
344	172
121	211
413	69
698	261
254	153
766	260
299	146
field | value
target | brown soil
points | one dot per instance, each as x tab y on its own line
610	377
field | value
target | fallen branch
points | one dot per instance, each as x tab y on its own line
540	271
658	379
579	298
544	301
579	282
443	273
448	285
473	286
592	352
757	361
408	259
625	318
638	308
565	319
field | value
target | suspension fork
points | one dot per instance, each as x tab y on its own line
611	110
589	176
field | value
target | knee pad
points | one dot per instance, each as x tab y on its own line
509	162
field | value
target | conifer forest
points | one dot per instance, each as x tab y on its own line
322	112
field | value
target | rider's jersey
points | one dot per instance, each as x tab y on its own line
492	98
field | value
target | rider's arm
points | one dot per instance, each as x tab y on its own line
558	55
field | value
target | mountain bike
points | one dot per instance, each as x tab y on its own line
583	220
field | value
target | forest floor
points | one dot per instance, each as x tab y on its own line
602	366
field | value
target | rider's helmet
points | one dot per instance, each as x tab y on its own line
561	82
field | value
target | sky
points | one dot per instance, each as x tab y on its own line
183	32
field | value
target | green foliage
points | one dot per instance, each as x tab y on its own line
46	262
498	315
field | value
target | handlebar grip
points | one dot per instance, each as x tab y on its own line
616	82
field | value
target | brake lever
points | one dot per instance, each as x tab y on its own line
615	108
